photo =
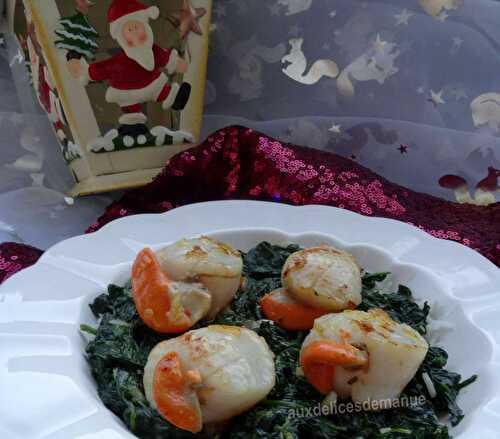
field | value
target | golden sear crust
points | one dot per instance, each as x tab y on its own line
323	277
395	351
224	248
377	321
365	326
295	263
230	330
192	258
196	252
298	260
209	244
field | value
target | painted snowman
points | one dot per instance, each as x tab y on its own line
136	74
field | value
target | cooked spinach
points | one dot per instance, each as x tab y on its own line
121	344
117	356
400	305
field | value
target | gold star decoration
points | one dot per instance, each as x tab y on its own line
187	19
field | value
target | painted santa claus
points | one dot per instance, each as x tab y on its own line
136	74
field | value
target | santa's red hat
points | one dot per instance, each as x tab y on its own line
122	11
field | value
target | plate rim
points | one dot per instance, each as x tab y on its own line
426	240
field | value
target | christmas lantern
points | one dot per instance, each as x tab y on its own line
122	82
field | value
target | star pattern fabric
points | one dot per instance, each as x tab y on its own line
363	63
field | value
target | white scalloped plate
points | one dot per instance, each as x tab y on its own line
46	390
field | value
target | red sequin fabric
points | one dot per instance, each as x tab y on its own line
14	257
240	163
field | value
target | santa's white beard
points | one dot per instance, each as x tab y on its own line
143	55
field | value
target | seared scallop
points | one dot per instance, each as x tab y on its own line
323	277
363	355
165	305
208	375
212	263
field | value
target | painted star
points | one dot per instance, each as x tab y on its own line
403	149
335	128
421	90
403	17
379	44
187	19
436	98
442	17
333	14
326	46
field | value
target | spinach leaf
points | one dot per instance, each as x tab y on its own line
267	260
447	384
370	279
399	305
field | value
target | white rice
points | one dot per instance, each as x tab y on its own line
429	384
